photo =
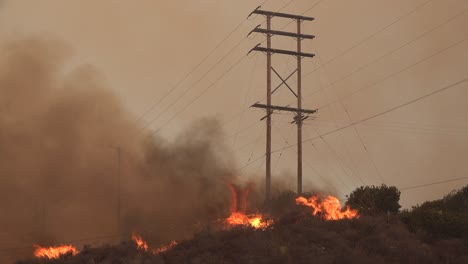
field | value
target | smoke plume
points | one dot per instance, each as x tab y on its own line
60	135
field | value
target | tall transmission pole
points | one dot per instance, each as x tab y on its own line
301	114
269	112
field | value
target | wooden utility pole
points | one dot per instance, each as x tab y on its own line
299	114
300	117
268	116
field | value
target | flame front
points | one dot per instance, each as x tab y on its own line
329	208
238	207
256	220
141	244
165	247
54	252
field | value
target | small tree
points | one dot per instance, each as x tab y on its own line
443	218
375	199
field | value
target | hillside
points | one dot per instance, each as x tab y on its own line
298	237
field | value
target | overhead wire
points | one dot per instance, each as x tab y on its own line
340	160
355	170
201	94
198	81
412	11
431	184
397	72
245	98
151	108
350	119
393	51
381	113
178	98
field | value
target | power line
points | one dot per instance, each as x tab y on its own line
230	51
355	129
380	30
374	61
340	160
192	70
398	72
202	93
381	113
397	125
430	184
338	177
195	68
402	130
312	7
381	57
349	118
174	102
245	98
389	53
317	3
192	86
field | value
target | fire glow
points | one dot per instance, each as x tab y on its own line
238	208
54	252
164	248
329	208
142	245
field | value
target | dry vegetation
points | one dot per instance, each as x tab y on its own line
297	237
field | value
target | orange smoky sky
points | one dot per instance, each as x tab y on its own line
372	55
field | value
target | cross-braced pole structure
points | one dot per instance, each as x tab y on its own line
301	114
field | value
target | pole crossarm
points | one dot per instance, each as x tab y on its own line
284	15
283	81
284	108
285	52
281	33
300	113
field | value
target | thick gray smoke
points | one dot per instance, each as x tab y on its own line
59	133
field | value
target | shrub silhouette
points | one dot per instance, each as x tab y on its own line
441	219
372	200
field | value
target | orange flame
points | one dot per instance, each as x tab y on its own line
141	244
238	207
164	248
54	252
256	220
330	208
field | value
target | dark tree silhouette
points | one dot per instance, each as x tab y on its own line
373	200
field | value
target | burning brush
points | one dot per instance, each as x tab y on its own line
238	208
329	207
54	252
143	246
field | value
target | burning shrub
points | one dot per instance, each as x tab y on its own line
329	208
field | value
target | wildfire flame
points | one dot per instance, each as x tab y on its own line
329	208
141	244
238	207
54	252
165	247
256	220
